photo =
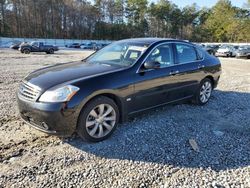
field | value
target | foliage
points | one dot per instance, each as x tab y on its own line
117	19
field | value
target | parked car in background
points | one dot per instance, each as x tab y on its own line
37	47
211	49
126	77
8	44
243	52
99	46
88	46
236	47
16	45
73	45
226	51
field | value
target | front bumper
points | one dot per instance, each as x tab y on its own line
52	118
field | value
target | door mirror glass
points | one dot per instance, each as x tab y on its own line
152	65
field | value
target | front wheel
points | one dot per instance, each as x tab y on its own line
98	119
204	92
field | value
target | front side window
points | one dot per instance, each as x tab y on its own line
185	53
162	54
119	53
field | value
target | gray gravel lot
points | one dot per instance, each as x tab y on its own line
150	150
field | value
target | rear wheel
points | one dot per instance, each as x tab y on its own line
26	51
98	119
50	51
204	92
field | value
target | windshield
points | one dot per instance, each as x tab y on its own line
119	53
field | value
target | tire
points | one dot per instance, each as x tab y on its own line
26	51
205	90
51	51
93	114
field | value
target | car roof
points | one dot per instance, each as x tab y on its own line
152	40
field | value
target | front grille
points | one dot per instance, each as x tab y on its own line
29	91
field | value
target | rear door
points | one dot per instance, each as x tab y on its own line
190	69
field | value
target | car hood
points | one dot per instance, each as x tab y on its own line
58	74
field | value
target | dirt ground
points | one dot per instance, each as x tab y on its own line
151	150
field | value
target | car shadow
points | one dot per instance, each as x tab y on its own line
221	130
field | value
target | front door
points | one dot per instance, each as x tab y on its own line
35	47
154	86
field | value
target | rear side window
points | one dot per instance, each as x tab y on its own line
200	53
185	53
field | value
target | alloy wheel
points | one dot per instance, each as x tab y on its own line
205	92
101	120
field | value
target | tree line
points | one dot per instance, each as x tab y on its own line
118	19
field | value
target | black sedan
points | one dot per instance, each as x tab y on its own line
91	96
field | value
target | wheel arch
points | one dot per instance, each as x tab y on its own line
118	101
211	78
26	48
49	50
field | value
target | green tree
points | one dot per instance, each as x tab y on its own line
221	21
136	14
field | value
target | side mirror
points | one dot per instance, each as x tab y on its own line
152	65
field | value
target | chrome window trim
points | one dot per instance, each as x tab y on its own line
176	63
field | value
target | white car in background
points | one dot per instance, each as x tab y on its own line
226	51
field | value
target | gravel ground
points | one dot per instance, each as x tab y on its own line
150	150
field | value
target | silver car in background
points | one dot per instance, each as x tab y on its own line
243	52
226	51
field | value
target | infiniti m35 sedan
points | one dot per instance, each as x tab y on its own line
93	95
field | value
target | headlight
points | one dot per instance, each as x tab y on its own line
61	94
